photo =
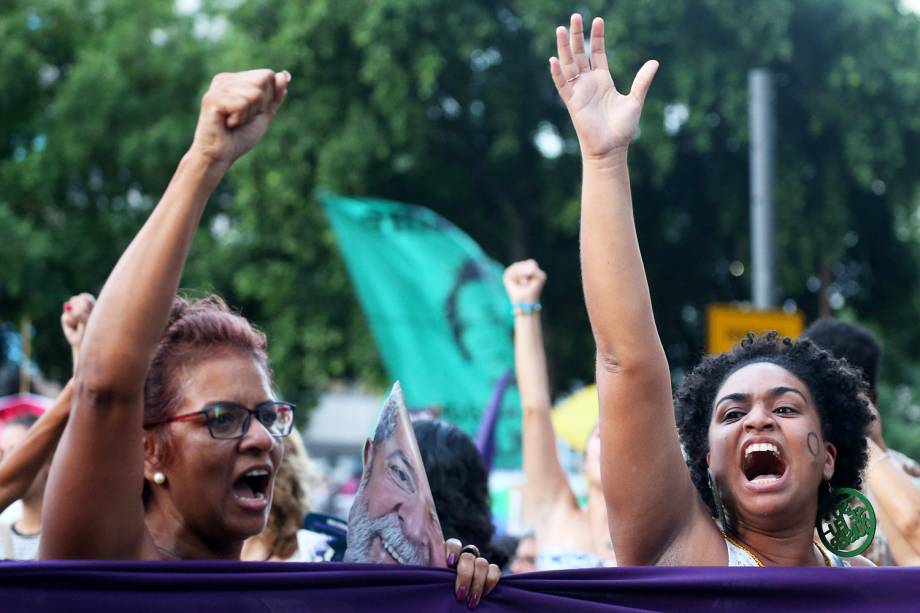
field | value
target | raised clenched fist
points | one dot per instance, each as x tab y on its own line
524	281
73	321
236	111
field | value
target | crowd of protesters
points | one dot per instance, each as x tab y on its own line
171	428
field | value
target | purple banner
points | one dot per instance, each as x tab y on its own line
208	587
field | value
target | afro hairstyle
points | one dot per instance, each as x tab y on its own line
838	390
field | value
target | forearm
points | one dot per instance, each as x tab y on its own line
896	493
616	290
546	481
136	299
530	363
18	470
650	499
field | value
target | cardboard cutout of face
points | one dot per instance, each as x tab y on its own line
393	518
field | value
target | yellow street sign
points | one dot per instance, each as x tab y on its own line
726	325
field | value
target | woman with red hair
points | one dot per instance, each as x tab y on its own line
175	435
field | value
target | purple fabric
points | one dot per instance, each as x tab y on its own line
212	587
485	438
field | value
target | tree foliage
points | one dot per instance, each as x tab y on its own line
450	105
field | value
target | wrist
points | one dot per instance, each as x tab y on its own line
526	308
614	158
199	161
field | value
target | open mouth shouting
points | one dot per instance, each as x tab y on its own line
763	464
251	488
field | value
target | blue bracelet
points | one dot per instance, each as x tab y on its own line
526	308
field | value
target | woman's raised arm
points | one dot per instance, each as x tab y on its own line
651	500
19	468
546	486
896	494
93	501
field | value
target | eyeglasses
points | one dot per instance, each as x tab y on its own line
229	420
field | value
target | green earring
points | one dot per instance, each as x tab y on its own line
846	523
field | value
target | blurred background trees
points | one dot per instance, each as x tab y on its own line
449	105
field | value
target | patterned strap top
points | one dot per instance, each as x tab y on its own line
740	557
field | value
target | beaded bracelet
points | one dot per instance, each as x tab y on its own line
526	308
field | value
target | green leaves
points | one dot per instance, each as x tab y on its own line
439	103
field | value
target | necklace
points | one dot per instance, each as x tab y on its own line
827	560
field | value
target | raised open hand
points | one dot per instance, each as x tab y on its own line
604	119
524	281
236	111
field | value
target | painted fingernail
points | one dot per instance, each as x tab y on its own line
473	602
461	593
67	307
452	559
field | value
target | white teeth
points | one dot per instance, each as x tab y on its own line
255	496
392	553
761	447
767	479
256	472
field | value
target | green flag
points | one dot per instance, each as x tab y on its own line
437	309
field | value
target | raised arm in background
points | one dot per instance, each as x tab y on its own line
73	322
899	500
547	486
19	468
654	512
902	551
93	504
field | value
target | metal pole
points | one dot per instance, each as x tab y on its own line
25	375
763	253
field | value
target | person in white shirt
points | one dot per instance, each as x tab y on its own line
34	439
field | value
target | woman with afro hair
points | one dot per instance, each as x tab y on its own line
768	428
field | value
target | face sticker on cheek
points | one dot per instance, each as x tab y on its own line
814	445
